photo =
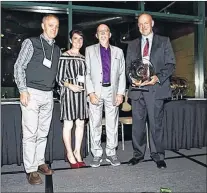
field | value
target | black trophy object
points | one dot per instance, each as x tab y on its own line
141	70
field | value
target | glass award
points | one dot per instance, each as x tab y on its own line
141	70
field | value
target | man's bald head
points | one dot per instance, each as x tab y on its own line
103	26
145	24
146	16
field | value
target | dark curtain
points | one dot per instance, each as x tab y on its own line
185	124
11	135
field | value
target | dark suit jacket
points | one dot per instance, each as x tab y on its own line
163	60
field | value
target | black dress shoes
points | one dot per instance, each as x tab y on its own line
135	161
161	164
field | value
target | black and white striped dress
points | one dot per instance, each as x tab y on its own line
73	105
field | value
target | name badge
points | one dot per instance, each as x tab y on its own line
81	79
47	63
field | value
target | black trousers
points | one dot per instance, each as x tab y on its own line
147	108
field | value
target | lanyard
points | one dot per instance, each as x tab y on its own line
44	49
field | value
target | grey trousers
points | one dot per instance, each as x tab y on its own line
36	119
95	120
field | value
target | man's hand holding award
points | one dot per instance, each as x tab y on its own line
142	74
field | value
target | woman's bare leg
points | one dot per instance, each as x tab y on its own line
79	130
67	128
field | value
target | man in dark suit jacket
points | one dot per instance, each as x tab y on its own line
159	51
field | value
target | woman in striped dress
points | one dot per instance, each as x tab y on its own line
73	104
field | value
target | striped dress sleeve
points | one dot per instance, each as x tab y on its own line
61	74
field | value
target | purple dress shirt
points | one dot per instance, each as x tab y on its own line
106	63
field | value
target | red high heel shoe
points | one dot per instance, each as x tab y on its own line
81	164
74	166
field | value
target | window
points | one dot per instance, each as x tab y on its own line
168	7
16	27
109	4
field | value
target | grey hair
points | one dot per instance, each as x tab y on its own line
47	16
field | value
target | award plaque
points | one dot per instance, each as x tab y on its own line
141	70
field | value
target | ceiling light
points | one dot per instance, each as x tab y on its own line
9	48
19	40
2	35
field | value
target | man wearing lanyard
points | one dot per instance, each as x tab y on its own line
105	85
35	71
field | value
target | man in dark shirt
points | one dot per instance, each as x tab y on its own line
34	71
105	83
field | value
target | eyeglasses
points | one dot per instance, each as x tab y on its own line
103	31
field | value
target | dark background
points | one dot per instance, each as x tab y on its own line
18	25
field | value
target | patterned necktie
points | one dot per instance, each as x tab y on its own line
146	48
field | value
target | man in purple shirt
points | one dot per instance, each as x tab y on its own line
105	84
106	63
